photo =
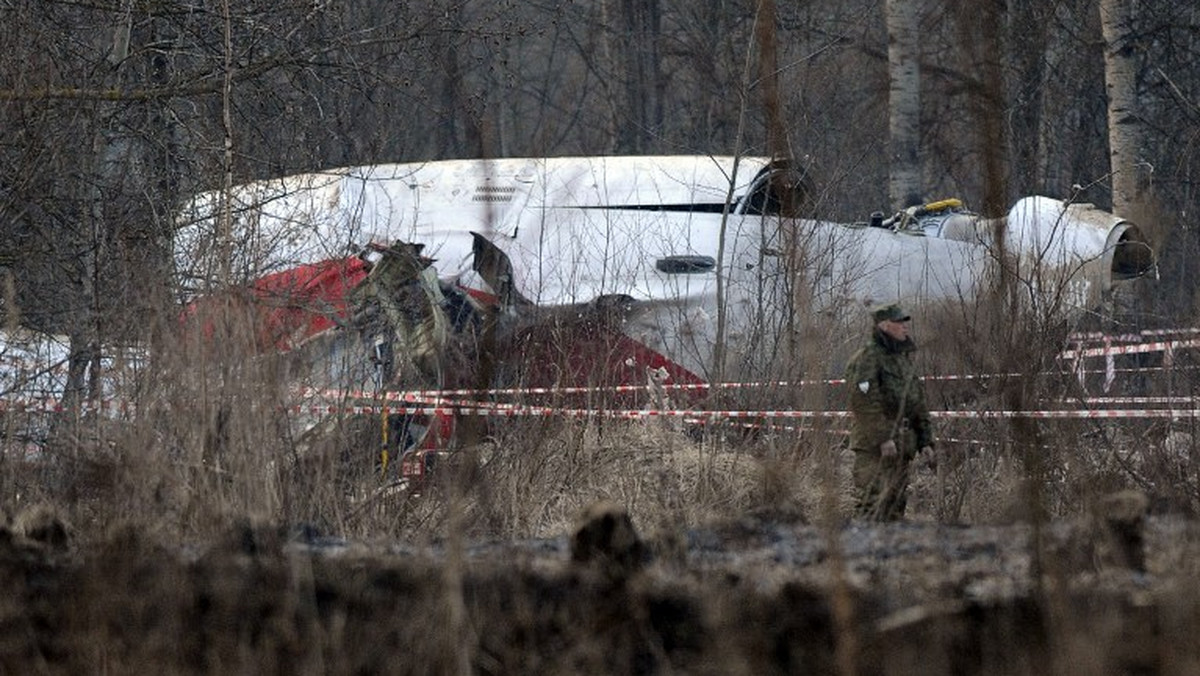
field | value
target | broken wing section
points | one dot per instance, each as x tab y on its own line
404	332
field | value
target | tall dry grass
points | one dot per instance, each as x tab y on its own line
214	447
215	437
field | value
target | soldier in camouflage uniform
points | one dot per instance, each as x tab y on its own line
889	421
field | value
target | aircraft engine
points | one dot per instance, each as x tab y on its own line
1055	244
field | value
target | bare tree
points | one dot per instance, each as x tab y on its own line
1121	69
331	84
644	84
1027	87
904	102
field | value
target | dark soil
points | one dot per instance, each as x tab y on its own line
750	596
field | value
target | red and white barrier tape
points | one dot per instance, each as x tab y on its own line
416	395
1172	413
1135	348
447	402
1110	401
514	411
631	414
1131	337
545	411
431	395
57	406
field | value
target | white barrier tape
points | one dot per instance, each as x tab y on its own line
1098	413
1137	369
522	411
56	406
509	411
1136	348
416	396
771	427
1110	401
1131	337
540	411
440	396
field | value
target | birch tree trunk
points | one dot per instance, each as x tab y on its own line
1124	124
608	59
904	103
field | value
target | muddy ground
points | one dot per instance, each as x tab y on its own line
759	594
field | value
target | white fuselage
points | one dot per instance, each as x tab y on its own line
655	229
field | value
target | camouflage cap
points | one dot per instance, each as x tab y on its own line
891	313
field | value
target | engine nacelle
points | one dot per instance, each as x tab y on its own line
1057	245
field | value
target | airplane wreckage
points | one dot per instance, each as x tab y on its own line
596	271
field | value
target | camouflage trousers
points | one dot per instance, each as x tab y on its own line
880	485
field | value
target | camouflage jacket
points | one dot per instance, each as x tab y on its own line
887	398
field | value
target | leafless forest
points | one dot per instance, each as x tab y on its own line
114	112
198	537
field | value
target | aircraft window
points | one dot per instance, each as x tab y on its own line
685	265
778	190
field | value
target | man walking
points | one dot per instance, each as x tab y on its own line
889	419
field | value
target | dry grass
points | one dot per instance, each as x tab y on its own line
214	441
211	468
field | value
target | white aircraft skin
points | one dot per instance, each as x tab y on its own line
648	231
